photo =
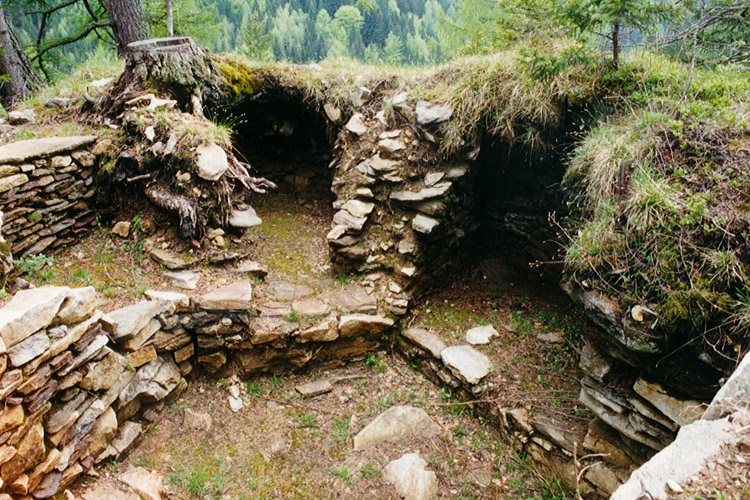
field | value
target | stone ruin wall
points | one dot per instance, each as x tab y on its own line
46	192
79	386
391	220
408	223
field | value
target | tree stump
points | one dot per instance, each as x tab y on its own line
175	67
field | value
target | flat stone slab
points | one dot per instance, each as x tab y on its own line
187	280
424	224
250	267
466	363
353	299
311	306
480	335
127	321
29	311
355	325
316	388
282	290
394	424
426	340
22	151
410	478
436	191
235	297
169	260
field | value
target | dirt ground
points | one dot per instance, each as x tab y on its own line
282	446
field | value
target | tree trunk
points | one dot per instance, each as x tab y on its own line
170	19
129	19
22	79
616	44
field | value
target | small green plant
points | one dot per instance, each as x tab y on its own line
373	361
340	428
253	388
82	276
223	383
369	471
32	266
293	316
33	217
460	431
344	474
307	419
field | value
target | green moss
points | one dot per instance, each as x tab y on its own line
242	79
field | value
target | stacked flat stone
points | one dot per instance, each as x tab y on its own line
46	188
548	443
72	395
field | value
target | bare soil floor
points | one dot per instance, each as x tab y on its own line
283	446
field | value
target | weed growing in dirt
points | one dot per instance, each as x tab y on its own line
307	419
341	428
344	474
253	388
36	267
369	471
373	361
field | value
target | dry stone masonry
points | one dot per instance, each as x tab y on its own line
79	386
46	192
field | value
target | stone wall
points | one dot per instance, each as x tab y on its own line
554	446
46	192
79	386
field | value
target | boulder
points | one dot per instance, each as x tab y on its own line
356	124
349	221
428	113
244	218
466	363
315	388
394	424
148	485
250	267
28	349
29	311
355	325
21	117
175	301
437	191
8	183
211	162
361	97
735	393
480	335
104	374
410	478
399	103
235	297
696	443
358	208
122	229
332	112
322	332
680	411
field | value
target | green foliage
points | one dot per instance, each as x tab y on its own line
343	473
370	471
35	267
